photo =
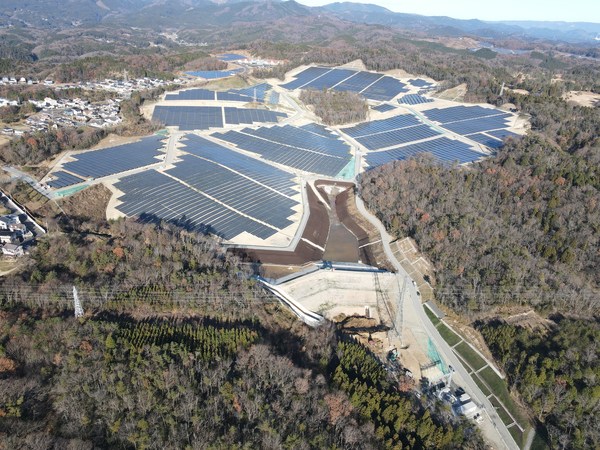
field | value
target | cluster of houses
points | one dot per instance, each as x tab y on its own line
77	112
4	80
12	235
123	88
74	112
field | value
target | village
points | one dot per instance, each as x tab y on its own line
76	112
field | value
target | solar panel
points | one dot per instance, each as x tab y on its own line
385	107
476	125
214	74
379	126
396	137
189	117
305	76
420	83
192	94
456	113
384	89
113	160
236	116
443	149
414	99
358	82
294	147
329	79
63	179
153	197
485	140
230	57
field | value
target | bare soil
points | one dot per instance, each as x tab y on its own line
316	231
372	254
456	93
88	204
583	98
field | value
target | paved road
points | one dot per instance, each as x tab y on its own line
16	173
498	435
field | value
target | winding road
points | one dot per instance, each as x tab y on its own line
495	431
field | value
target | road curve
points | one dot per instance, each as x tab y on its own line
499	435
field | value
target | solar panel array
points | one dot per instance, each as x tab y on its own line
485	140
385	107
155	197
396	137
235	190
230	57
189	117
456	113
444	149
109	161
63	179
205	117
237	116
214	74
250	94
213	189
258	170
414	99
372	86
469	119
318	129
192	94
300	148
379	126
418	82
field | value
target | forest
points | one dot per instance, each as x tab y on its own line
556	371
336	108
520	228
142	371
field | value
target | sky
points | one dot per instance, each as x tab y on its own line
553	10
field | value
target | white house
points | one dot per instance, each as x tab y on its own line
13	250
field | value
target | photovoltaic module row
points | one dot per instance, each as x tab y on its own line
457	113
397	137
63	179
301	138
250	94
465	127
370	85
236	191
205	117
414	99
189	117
230	57
113	160
155	197
486	140
443	149
214	74
385	107
382	125
260	171
321	161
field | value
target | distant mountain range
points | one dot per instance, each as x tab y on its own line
575	32
181	14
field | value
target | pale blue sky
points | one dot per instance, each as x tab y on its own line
561	10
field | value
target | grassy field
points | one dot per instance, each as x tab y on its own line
431	316
517	435
449	336
500	390
470	356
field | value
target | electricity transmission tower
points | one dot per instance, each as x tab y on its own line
77	303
